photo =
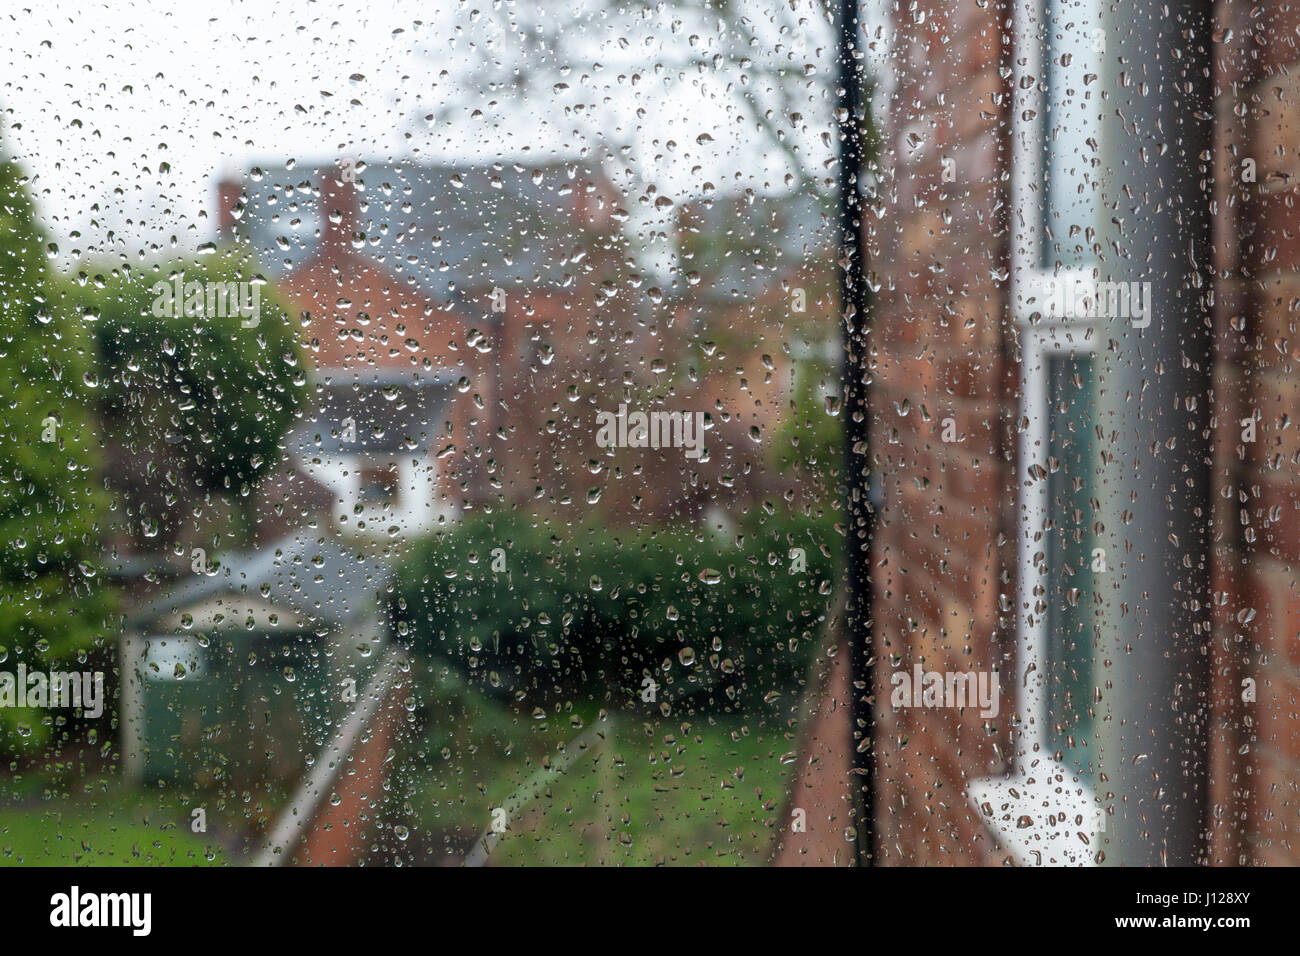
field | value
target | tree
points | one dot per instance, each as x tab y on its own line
53	603
202	377
758	59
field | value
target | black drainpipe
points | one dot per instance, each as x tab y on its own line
855	306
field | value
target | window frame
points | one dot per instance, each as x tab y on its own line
1042	335
1061	804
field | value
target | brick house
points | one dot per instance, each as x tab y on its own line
954	345
403	283
501	299
762	294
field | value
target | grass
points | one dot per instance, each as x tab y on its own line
657	794
645	791
110	826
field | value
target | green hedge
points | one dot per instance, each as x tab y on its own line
718	622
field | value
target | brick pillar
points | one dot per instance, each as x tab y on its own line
1255	787
944	548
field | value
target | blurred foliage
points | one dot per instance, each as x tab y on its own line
810	440
191	394
53	601
718	623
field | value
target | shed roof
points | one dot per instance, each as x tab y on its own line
315	576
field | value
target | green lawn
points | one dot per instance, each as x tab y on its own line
645	790
657	794
116	827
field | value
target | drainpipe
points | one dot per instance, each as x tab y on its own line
1155	441
855	305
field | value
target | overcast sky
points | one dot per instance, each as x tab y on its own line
125	114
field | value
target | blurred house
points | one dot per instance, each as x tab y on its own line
759	309
442	293
494	310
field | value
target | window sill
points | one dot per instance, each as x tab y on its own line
1066	819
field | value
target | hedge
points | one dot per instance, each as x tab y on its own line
716	622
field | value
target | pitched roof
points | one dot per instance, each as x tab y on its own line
312	575
440	228
741	242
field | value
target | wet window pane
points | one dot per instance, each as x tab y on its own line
424	432
1071	559
586	433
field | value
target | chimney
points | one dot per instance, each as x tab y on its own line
340	208
594	202
230	195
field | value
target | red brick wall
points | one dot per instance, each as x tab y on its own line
344	821
940	250
1256	769
820	793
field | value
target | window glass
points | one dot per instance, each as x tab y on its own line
1071	557
720	432
426	425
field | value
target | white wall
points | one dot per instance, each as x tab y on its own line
414	509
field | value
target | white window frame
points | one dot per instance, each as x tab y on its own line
1050	336
1068	820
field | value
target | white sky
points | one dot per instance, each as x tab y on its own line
125	114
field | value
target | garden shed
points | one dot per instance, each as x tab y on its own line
234	676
